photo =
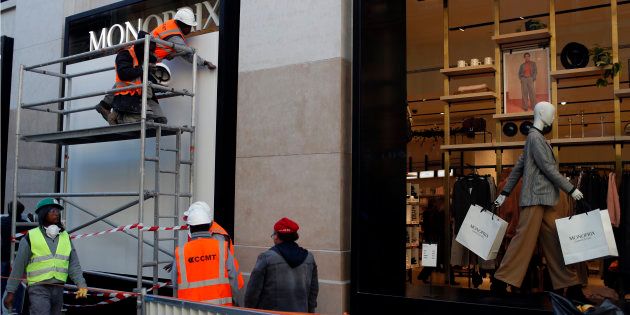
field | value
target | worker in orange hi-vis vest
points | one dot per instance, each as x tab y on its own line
173	31
205	268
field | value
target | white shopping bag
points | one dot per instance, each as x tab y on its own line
482	232
429	255
586	236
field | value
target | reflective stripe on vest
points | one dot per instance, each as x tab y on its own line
207	281
137	81
163	31
43	265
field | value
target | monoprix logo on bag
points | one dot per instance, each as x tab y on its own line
478	231
582	237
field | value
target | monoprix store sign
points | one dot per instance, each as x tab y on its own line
122	23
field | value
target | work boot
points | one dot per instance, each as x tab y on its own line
112	118
101	109
498	287
574	293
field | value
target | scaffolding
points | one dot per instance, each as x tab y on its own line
140	130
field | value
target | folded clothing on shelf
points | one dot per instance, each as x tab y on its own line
472	88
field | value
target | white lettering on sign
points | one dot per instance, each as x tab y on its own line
125	32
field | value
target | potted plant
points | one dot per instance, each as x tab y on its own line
603	58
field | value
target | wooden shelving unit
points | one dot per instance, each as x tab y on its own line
468	97
622	93
528	36
576	73
452	72
622	139
582	141
514	116
468	147
510	145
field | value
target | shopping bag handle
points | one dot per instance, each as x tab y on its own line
583	202
493	208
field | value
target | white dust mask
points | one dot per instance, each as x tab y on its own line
52	231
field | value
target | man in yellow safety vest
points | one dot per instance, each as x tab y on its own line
46	273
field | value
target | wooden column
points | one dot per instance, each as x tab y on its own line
616	101
496	15
554	66
447	154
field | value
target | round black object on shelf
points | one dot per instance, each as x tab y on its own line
574	55
525	126
510	129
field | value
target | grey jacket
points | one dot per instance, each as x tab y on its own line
24	255
541	179
274	285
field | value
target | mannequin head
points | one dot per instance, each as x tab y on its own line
544	114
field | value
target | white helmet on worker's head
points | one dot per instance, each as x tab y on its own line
199	205
186	16
198	217
162	73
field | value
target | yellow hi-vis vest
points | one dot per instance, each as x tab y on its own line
43	265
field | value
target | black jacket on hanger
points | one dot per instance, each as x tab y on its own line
469	190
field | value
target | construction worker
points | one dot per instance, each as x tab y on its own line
46	273
285	276
205	270
173	31
128	104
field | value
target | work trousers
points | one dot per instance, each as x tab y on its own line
45	299
528	93
535	223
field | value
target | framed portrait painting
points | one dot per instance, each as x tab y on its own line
526	79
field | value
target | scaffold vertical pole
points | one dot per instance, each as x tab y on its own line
143	135
17	156
193	122
66	148
156	207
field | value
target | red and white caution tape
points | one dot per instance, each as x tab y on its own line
115	296
123	228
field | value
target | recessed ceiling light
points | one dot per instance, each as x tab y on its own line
563	103
520	17
441	113
461	29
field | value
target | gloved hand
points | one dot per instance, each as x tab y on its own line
8	301
209	65
500	200
168	267
81	293
577	194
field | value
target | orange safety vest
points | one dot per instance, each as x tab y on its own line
121	83
201	272
163	31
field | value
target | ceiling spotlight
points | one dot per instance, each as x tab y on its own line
520	17
461	29
563	103
441	113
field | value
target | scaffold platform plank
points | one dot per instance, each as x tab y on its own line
103	134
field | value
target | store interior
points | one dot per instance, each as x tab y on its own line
469	114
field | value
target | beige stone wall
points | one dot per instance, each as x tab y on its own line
293	135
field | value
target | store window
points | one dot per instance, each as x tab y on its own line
473	73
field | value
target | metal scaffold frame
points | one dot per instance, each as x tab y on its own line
142	130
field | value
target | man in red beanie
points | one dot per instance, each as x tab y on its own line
285	276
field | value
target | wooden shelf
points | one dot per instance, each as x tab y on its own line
452	72
468	147
575	73
622	139
468	97
582	141
514	116
529	36
622	93
510	145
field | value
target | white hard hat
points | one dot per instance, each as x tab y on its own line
186	16
200	205
162	73
198	217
